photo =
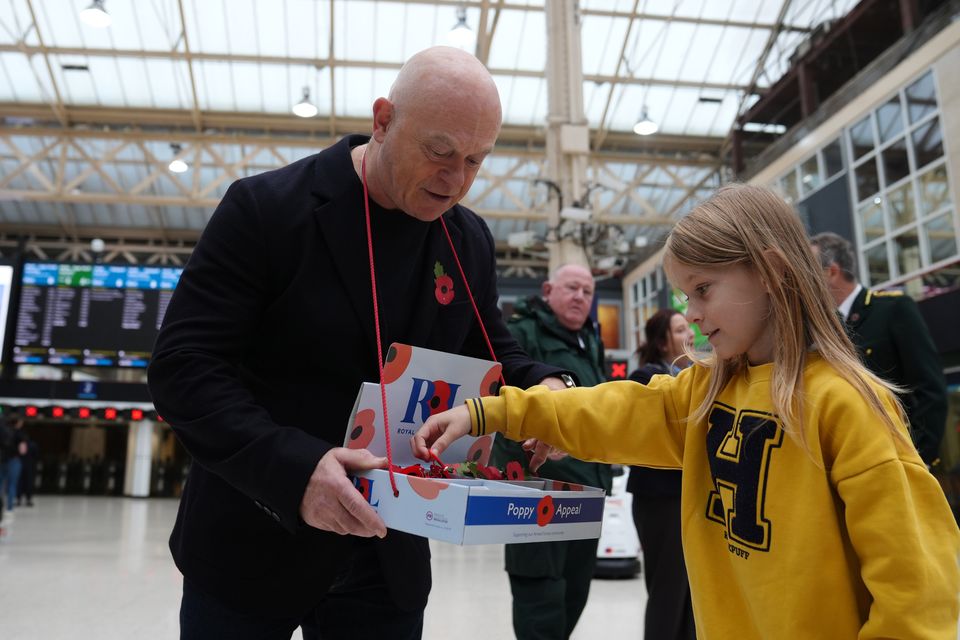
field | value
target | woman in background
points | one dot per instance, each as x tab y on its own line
656	495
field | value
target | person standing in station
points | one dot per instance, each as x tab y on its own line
12	447
892	339
270	333
28	472
550	581
656	494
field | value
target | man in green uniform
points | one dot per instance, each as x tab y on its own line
550	581
893	342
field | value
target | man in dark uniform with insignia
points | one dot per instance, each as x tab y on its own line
893	342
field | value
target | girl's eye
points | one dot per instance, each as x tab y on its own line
702	289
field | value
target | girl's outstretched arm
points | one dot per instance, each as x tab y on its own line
619	421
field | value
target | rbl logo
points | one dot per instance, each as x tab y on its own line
365	487
431	396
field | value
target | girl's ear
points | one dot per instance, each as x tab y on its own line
778	265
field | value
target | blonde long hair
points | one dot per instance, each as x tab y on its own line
752	226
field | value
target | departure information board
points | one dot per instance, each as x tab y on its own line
91	314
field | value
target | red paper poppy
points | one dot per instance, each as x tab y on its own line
412	470
444	290
490	473
514	470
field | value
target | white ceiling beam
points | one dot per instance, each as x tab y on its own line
228	170
24	195
195	103
608	13
495	182
11	232
57	103
627	191
339	63
27	163
276	143
156	167
602	128
309	132
757	72
692	191
333	84
96	165
88	151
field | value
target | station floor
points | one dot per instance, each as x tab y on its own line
91	567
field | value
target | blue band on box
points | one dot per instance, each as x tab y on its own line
500	510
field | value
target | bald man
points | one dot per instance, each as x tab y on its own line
270	333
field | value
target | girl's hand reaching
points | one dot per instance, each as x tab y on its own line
440	431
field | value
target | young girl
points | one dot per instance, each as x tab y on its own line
806	511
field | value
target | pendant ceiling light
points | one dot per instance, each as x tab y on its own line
645	126
177	165
461	35
305	108
96	16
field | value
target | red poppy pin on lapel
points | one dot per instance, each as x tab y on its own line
444	290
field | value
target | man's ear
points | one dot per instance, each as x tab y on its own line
383	114
546	288
834	271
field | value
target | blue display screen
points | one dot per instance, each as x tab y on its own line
91	315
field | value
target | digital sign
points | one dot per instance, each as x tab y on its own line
91	314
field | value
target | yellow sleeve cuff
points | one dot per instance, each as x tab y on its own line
487	415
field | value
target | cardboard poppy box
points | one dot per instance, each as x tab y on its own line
461	511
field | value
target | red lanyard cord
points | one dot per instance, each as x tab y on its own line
376	324
476	311
376	315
